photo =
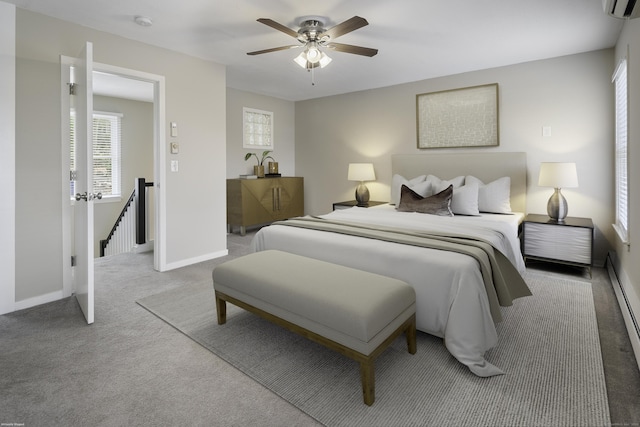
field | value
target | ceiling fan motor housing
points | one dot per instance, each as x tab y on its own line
310	30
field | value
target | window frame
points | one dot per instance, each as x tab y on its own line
115	155
257	129
620	81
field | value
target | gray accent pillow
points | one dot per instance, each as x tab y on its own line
438	204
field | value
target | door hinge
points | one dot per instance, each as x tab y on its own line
72	88
73	260
73	175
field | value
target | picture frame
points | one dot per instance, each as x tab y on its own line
257	129
466	117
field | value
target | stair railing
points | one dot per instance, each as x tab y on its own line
130	228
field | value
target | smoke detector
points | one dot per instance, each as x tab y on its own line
143	21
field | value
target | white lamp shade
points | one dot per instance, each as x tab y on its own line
301	60
361	172
312	58
558	175
324	60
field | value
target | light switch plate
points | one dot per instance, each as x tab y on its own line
175	148
174	129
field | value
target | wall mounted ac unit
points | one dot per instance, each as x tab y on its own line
621	8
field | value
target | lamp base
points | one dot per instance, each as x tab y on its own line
557	208
362	195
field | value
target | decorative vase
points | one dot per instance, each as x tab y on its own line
258	171
273	167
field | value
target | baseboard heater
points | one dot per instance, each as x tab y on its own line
627	300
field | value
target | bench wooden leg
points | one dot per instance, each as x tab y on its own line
367	374
411	336
221	309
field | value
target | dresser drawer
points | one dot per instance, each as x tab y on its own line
558	242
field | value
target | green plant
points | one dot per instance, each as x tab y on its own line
265	156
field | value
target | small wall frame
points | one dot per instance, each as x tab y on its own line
257	129
466	117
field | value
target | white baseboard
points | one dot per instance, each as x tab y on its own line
190	261
628	301
40	299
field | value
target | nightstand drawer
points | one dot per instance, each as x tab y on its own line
558	242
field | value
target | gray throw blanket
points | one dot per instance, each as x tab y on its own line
502	281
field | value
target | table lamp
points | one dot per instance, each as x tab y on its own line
361	172
557	175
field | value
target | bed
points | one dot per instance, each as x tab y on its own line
453	298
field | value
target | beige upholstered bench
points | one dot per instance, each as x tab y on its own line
354	312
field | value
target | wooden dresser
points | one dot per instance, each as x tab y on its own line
263	200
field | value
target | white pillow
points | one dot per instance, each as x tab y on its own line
442	184
396	183
494	197
465	199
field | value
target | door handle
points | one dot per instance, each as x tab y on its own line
275	198
279	193
87	197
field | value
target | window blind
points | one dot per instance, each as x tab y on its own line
106	154
107	136
621	172
72	152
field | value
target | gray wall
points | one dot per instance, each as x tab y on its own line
572	94
195	98
137	159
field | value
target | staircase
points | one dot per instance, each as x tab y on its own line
129	232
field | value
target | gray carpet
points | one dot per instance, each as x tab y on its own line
549	347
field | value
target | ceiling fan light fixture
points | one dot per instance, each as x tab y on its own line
320	60
301	60
324	60
313	53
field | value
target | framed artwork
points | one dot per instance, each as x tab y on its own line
465	117
257	129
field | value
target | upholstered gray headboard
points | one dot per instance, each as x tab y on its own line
485	166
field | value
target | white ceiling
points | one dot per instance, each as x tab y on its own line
416	39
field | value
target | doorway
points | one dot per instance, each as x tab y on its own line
130	81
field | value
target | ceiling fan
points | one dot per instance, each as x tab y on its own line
312	35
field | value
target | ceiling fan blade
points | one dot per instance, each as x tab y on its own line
346	27
357	50
275	25
273	49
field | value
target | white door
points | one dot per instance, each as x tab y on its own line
83	206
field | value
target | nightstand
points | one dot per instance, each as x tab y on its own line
569	242
351	203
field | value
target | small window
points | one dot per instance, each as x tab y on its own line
257	129
621	163
107	134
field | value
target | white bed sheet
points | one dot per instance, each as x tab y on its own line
451	301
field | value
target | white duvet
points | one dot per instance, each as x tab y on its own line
451	300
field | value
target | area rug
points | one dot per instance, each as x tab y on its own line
548	347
